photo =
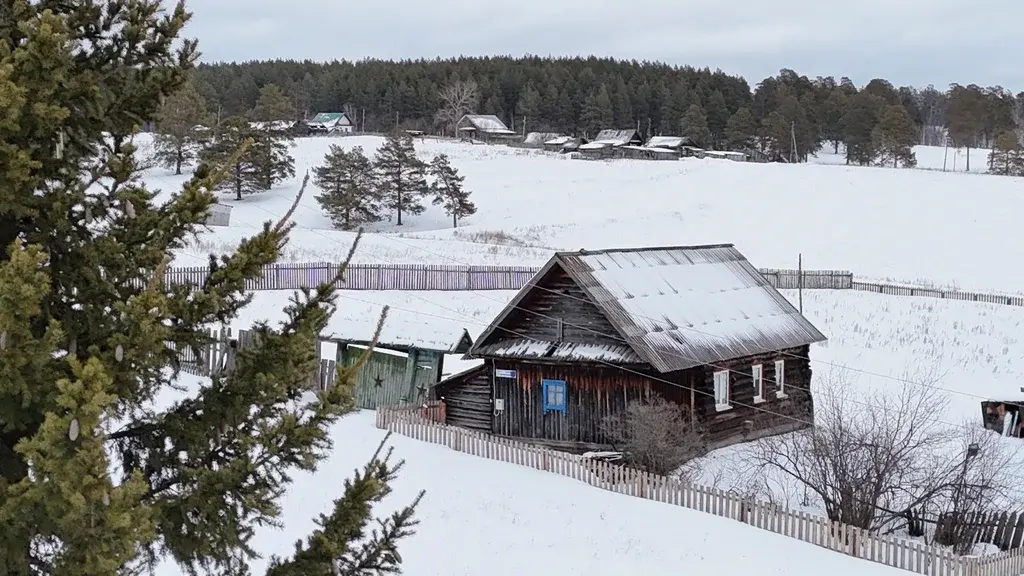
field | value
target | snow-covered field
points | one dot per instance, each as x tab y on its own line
918	226
945	228
487	517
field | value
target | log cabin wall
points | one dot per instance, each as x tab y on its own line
592	394
467	398
558	296
746	420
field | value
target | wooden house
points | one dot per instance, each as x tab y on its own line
604	145
330	122
644	153
674	143
698	326
538	139
486	128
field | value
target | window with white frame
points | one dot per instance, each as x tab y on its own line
722	390
757	371
780	378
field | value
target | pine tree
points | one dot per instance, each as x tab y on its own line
862	114
401	176
349	194
179	132
448	189
832	121
694	125
718	117
894	138
86	322
271	155
530	105
776	136
242	175
741	129
1007	155
272	105
597	112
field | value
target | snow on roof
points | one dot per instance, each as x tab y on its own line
666	141
560	140
540	137
488	123
526	348
681	307
617	137
328	118
673	308
274	125
596	145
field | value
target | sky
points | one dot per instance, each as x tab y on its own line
915	42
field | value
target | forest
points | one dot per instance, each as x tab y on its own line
583	95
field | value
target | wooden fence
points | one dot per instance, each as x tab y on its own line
460	277
899	553
218	357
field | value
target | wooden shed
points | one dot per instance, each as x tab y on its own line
674	143
604	145
486	128
698	326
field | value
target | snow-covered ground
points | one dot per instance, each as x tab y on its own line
486	517
951	160
944	228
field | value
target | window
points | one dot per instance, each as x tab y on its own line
780	378
758	374
722	390
554	395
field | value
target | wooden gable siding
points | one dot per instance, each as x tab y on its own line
773	416
592	394
467	399
558	296
387	379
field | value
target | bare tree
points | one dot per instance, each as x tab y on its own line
459	97
872	456
656	436
987	485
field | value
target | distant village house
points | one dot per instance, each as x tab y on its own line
698	326
486	128
330	122
604	145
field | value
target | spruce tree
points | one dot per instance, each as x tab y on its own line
179	128
349	194
91	336
1007	155
894	138
400	176
741	129
694	125
448	189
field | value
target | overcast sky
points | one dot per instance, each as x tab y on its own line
915	42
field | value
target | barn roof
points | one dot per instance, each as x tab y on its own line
540	137
673	307
667	141
489	123
617	137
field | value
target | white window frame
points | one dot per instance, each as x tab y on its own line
780	379
757	376
722	391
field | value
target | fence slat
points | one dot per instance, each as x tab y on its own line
898	553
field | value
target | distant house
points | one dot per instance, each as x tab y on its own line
675	143
645	153
538	139
718	155
483	127
698	326
607	140
563	144
330	122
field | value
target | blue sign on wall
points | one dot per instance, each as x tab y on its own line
504	373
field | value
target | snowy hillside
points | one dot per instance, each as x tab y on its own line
485	517
906	225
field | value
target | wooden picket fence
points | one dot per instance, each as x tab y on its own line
417	422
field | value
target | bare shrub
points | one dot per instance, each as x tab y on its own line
655	436
872	457
988	484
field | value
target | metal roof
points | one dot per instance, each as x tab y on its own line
679	307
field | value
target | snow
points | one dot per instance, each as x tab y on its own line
665	141
531	203
694	306
489	123
482	516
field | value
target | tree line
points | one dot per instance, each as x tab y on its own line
790	116
254	151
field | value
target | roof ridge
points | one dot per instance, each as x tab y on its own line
583	251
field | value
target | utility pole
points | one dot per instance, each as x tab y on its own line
800	280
